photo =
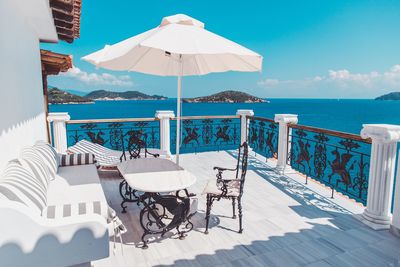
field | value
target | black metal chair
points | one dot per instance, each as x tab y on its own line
136	145
231	189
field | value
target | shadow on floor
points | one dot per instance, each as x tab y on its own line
322	245
340	241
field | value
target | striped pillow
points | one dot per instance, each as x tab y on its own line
76	159
30	160
49	156
68	210
18	184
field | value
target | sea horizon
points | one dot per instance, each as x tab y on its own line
347	115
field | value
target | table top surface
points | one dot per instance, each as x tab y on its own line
155	175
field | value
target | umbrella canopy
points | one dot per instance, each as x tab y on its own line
179	46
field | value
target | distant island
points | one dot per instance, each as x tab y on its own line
128	95
390	96
58	96
229	96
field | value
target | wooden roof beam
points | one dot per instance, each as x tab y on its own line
65	5
64	24
59	14
54	63
65	31
67	38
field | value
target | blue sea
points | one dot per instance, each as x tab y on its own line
342	115
335	114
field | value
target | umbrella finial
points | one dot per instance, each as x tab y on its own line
181	19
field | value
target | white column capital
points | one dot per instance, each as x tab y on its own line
244	124
286	118
58	116
381	133
245	112
59	120
164	114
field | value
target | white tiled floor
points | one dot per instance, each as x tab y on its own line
285	224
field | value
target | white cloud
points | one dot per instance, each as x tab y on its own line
99	79
269	82
343	79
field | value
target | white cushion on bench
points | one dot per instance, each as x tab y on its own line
75	184
76	209
30	160
49	156
19	184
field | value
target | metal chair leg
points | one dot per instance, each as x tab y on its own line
233	208
240	215
208	210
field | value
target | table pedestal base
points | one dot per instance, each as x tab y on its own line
160	213
163	213
128	195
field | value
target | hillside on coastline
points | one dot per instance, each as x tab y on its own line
390	96
128	95
57	96
229	96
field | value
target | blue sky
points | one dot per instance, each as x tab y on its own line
311	49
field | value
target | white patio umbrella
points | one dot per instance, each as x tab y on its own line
179	46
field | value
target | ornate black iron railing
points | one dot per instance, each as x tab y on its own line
339	160
114	133
262	136
207	133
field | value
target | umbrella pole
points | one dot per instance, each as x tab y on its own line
178	119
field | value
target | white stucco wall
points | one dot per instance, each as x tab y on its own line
22	118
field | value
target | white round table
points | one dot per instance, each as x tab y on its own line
161	212
155	175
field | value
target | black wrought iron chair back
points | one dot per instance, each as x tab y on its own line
231	189
136	145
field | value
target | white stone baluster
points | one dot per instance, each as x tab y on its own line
59	130
284	140
381	173
164	116
244	124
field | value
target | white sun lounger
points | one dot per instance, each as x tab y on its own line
105	157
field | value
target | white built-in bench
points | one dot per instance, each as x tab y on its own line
52	215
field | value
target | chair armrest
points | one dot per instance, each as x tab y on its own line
220	169
156	155
27	239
